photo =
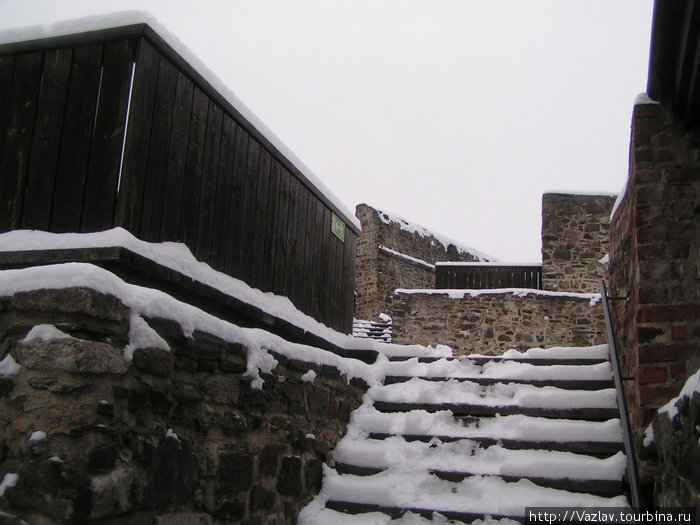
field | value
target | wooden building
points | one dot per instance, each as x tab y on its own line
114	127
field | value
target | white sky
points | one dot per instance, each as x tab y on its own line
455	114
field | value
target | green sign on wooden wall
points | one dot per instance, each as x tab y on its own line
338	227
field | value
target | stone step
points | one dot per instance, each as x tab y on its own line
465	410
481	360
566	384
351	507
597	487
599	449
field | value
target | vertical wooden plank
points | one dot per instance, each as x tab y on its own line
260	229
36	213
326	276
158	153
271	227
300	282
318	290
310	284
74	153
281	247
337	281
347	291
99	205
247	258
205	221
194	164
177	158
19	130
7	70
234	247
134	171
223	195
292	277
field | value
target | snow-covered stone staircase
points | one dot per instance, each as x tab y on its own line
463	439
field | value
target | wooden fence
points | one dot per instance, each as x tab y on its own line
114	128
478	276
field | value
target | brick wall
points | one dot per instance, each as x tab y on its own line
655	261
575	231
495	321
391	254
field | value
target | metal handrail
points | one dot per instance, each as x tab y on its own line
632	475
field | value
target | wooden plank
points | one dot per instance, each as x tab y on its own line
7	70
271	227
99	205
317	289
347	291
240	162
260	223
281	246
74	153
293	275
134	171
327	276
223	196
158	153
18	138
247	258
301	281
311	284
177	158
38	194
194	165
205	221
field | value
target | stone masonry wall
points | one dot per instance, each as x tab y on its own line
167	438
655	261
379	271
492	322
575	232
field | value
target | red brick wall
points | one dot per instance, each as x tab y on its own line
655	261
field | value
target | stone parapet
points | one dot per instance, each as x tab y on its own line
493	321
575	233
179	436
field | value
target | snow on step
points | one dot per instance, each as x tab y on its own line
466	456
419	391
367	419
468	369
482	495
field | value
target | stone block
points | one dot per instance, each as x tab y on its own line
235	472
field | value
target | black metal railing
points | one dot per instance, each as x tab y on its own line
632	475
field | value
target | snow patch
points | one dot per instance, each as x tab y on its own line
593	298
9	481
142	336
38	435
309	376
9	367
648	439
46	332
414	260
643	98
691	387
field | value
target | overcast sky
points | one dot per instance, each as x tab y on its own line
455	114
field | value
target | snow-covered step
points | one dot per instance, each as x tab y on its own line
457	460
471	399
462	500
463	438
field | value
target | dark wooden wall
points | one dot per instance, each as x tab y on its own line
187	167
478	277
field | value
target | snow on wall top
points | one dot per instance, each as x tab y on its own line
411	227
126	18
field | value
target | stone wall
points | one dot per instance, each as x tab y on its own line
655	261
392	253
575	232
495	321
166	438
671	461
